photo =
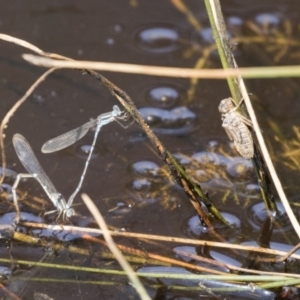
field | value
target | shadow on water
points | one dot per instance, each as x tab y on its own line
126	180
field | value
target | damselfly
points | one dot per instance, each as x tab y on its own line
33	167
76	134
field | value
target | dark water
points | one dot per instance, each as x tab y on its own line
127	181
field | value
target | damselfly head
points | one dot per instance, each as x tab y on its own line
225	106
69	212
116	111
57	199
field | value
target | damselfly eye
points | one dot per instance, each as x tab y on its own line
70	212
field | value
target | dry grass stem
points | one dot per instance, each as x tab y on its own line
75	230
268	159
191	18
159	259
256	127
162	259
114	249
255	72
22	43
11	112
234	268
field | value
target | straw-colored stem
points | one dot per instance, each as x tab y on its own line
251	73
114	249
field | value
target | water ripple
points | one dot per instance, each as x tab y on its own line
157	38
175	121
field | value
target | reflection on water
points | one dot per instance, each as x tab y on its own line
157	38
178	120
164	95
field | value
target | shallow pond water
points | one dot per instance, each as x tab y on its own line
126	179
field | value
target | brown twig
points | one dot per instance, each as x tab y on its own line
160	258
11	112
11	295
114	249
79	230
59	246
285	257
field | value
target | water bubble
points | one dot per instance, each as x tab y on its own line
142	185
218	167
222	146
37	98
110	41
157	38
153	116
117	28
6	188
283	247
144	190
212	145
231	219
178	120
234	21
258	214
121	208
205	158
164	95
83	151
250	190
9	218
6	191
9	173
61	235
5	273
188	249
203	176
204	37
223	258
228	232
182	112
194	228
274	246
221	184
270	19
40	96
183	159
240	169
194	255
137	137
269	24
145	168
53	93
235	26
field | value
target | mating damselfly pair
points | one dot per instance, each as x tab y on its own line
34	169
